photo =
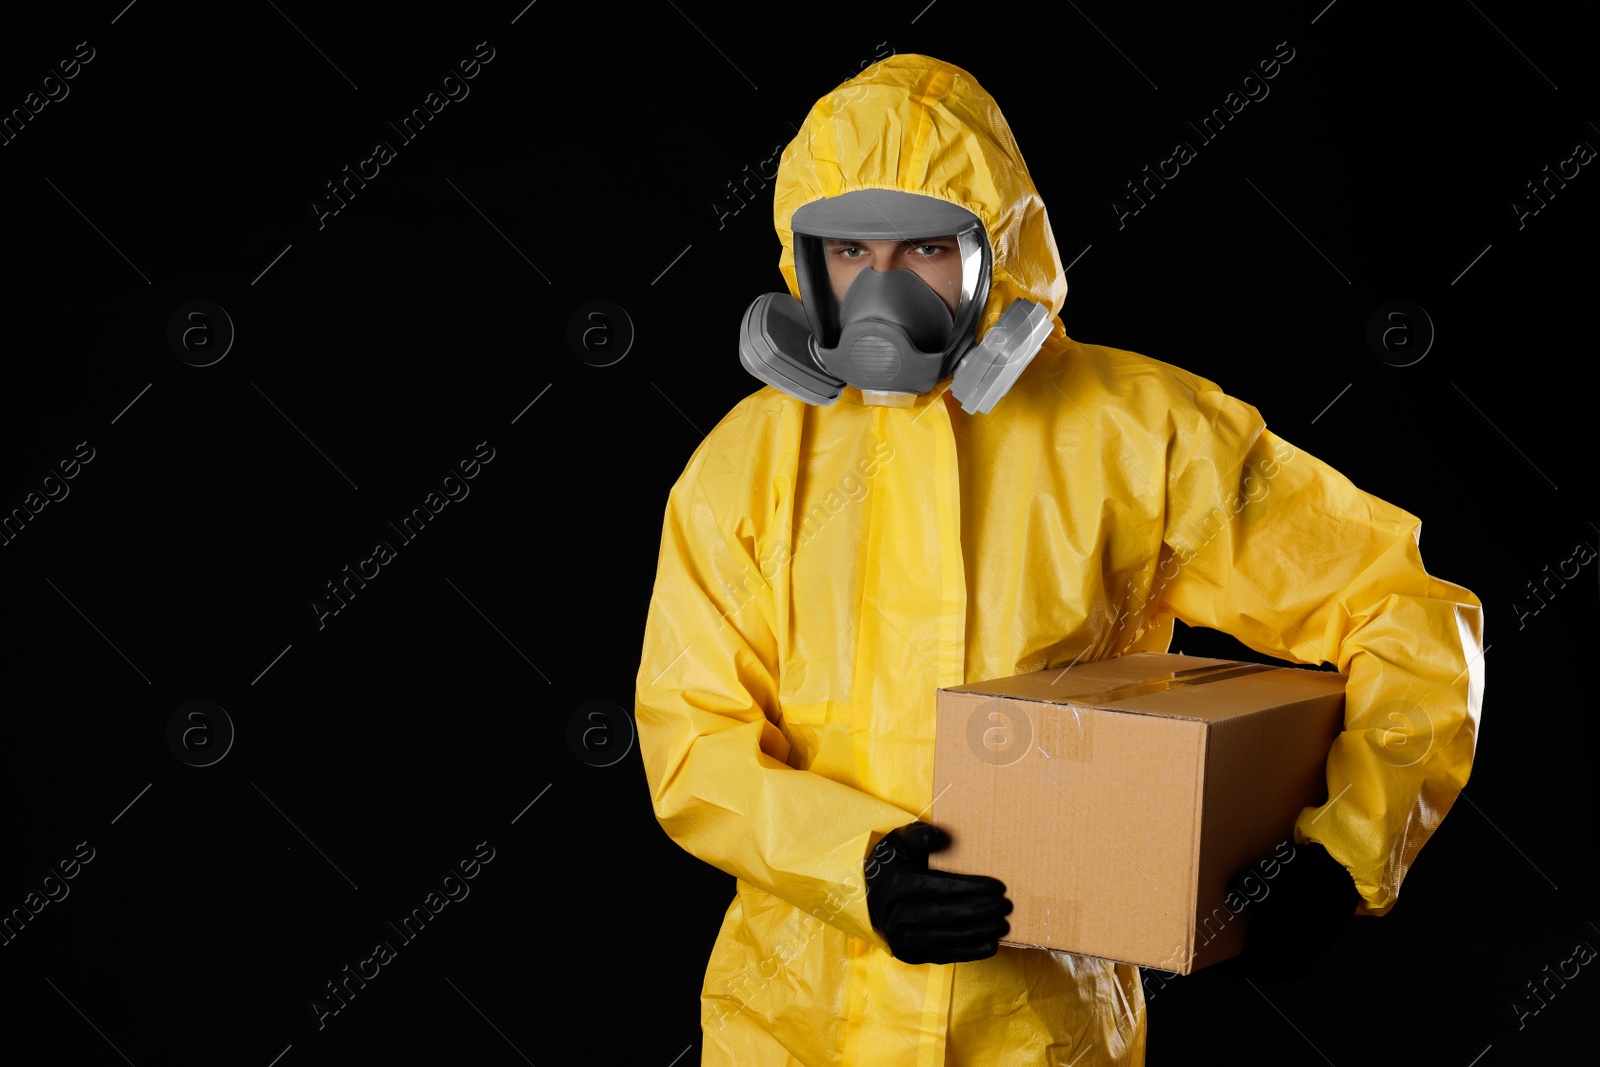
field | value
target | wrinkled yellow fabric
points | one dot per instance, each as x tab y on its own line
824	570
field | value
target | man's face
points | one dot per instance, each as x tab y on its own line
936	260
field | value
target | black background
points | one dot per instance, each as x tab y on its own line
428	314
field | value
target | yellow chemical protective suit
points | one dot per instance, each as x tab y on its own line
824	570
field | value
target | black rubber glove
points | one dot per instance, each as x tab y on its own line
1308	901
932	916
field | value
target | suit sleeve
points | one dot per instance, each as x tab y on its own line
1268	543
707	708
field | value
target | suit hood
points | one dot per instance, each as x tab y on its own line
919	125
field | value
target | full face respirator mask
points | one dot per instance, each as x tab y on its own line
891	336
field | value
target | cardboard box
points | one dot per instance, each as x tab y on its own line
1116	799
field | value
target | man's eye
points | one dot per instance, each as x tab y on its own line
849	251
930	250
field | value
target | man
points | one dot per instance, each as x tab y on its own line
942	487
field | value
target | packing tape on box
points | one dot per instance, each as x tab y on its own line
1063	733
1059	732
1170	680
1058	917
